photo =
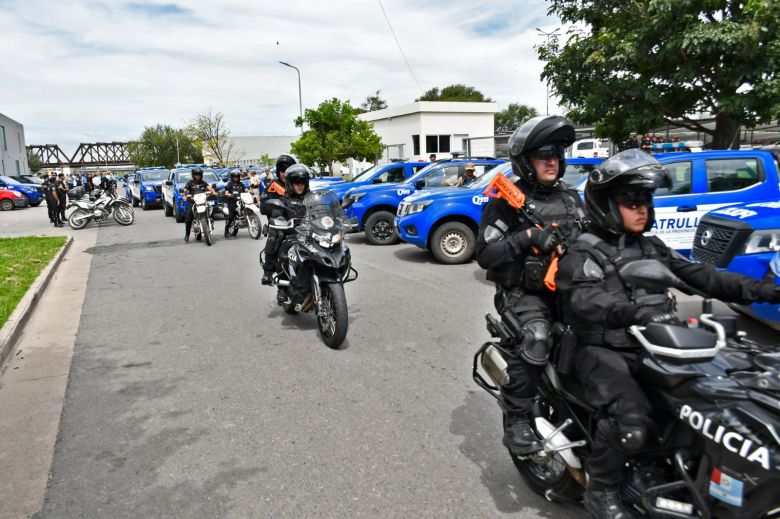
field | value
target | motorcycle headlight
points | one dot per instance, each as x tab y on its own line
417	207
762	241
336	239
327	222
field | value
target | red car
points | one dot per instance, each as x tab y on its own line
10	199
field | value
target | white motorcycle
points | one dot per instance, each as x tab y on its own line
100	205
202	222
247	215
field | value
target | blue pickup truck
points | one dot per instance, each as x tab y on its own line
374	206
745	239
173	200
446	221
144	188
392	173
32	192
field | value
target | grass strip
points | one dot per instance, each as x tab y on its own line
21	260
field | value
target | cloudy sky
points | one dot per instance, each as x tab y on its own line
97	70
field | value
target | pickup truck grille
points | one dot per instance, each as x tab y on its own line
158	188
717	244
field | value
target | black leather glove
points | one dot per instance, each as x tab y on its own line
647	315
769	292
544	239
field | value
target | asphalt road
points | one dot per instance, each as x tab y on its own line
191	394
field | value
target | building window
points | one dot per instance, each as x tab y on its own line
2	138
437	143
416	144
18	170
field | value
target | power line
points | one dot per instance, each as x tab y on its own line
399	46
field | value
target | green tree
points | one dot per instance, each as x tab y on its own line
335	134
455	93
266	160
157	147
35	163
212	134
638	65
372	103
513	116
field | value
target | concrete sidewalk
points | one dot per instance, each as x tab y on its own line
32	387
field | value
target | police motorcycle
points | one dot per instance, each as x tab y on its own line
715	447
98	206
202	219
314	263
247	215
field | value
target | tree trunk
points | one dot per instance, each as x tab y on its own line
330	167
725	130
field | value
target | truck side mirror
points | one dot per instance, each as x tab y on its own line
420	184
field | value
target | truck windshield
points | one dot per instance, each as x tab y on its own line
158	175
208	177
365	174
484	180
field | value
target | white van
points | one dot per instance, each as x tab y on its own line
587	148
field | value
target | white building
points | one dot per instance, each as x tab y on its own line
248	150
13	149
416	130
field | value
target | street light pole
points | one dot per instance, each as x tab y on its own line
547	87
300	98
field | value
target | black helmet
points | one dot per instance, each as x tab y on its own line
235	173
197	171
629	173
551	131
284	162
297	173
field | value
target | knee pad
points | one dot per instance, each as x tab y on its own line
534	336
632	428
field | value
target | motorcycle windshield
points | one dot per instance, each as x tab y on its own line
323	211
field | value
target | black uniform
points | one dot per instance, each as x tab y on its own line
518	273
599	307
193	187
62	190
274	242
233	188
274	239
52	204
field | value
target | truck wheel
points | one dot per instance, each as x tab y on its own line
179	217
453	243
379	229
36	204
144	205
168	210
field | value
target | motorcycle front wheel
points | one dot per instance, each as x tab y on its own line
206	228
253	223
334	323
78	219
124	215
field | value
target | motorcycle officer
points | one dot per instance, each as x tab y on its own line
600	307
193	187
233	186
274	237
515	247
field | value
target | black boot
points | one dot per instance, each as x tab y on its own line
267	278
605	503
187	238
519	437
226	230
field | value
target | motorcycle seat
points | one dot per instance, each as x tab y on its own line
768	361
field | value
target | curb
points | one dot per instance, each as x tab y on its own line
13	327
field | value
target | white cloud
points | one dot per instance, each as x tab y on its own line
96	71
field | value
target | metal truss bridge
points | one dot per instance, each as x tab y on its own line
87	154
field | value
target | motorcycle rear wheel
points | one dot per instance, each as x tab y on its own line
333	325
78	219
206	228
253	224
551	476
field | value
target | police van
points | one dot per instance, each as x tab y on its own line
446	221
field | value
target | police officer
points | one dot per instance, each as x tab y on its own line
274	239
600	308
515	246
52	200
233	186
193	187
62	191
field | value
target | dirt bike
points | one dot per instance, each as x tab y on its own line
247	215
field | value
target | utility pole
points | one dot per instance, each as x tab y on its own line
548	35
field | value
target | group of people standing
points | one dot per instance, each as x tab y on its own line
593	241
58	189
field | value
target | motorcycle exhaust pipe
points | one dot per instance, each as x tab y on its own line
283	283
495	366
307	304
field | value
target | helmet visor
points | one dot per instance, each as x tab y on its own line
634	199
546	153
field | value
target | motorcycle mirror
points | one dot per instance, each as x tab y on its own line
419	184
649	274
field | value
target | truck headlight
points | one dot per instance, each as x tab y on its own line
149	188
356	196
417	207
762	241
